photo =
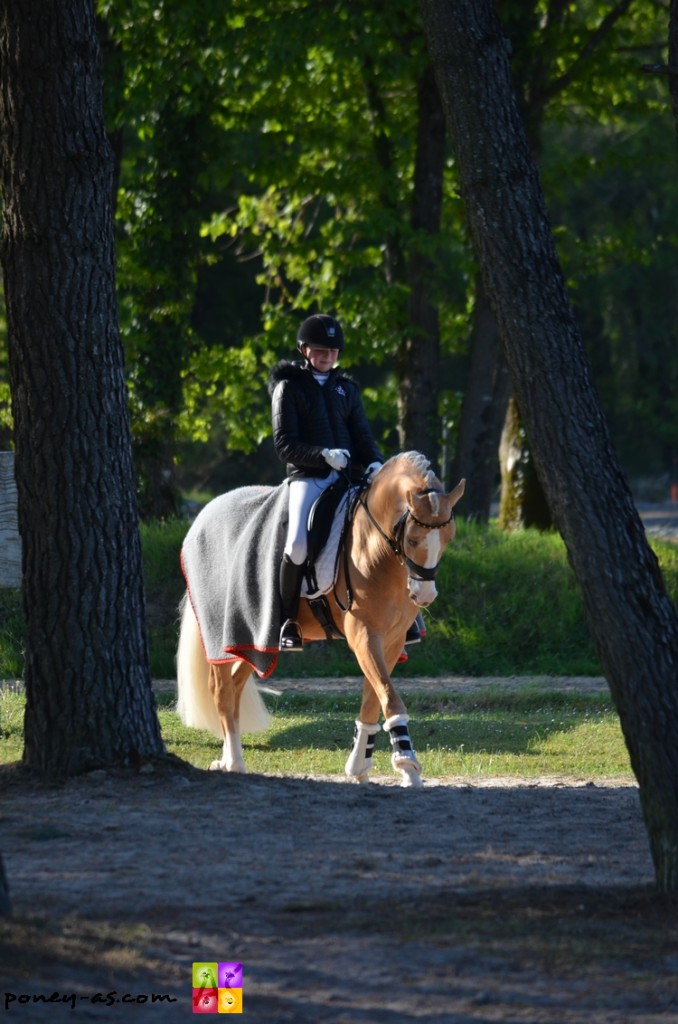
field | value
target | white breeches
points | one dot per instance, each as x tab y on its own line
303	492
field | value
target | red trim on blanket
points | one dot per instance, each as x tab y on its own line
237	655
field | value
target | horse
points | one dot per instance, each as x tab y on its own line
400	524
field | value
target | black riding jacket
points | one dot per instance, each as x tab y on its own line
309	416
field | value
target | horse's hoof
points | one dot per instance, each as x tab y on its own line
221	766
411	778
407	764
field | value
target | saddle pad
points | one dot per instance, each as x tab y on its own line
326	562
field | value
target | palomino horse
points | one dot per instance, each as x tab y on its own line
394	542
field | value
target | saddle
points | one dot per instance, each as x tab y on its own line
320	522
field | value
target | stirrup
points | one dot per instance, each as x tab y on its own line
290	636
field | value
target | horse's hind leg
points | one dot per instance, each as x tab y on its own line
226	685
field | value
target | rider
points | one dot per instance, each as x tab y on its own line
319	427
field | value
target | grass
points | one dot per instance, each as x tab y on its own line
161	544
508	605
526	734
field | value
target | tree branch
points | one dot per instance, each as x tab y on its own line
594	40
659	69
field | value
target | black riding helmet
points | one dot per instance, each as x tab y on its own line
321	331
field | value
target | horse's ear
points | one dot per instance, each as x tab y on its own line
456	494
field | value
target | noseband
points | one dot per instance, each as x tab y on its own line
396	543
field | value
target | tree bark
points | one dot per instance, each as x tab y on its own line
419	362
5	899
89	698
673	60
631	618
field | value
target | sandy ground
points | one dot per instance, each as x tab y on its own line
459	903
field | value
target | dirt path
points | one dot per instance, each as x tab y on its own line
430	684
459	903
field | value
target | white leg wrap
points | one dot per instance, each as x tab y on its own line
360	759
403	758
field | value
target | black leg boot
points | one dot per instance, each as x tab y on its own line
291	577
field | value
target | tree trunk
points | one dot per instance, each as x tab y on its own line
89	698
631	618
673	61
523	502
419	362
483	411
5	900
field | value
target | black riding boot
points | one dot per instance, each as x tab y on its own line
417	631
291	577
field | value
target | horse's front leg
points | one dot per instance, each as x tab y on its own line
226	684
377	657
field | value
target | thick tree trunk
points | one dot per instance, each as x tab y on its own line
419	363
483	411
89	698
629	613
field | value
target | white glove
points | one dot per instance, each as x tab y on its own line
373	468
337	458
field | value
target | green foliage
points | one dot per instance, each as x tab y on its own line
618	250
283	138
267	170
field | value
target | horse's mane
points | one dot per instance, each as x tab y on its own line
418	462
412	464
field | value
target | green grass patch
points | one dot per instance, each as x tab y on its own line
524	734
535	736
12	706
508	604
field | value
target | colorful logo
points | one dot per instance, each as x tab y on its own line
217	987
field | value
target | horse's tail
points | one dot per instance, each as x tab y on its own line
194	700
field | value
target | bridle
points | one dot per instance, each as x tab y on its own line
417	572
